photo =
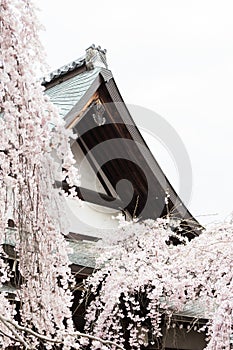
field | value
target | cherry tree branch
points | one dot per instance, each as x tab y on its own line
8	336
92	337
8	323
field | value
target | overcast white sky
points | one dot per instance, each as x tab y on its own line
174	57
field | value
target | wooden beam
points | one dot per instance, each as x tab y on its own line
94	197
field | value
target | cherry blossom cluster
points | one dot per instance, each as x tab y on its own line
31	132
142	280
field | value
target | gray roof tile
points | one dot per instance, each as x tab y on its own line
84	253
66	94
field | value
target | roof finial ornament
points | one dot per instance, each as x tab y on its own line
95	57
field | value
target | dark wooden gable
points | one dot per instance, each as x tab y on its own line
118	153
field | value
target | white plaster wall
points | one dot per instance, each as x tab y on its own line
90	219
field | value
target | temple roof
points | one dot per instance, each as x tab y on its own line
78	89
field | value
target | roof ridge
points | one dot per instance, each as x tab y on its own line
79	62
94	57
